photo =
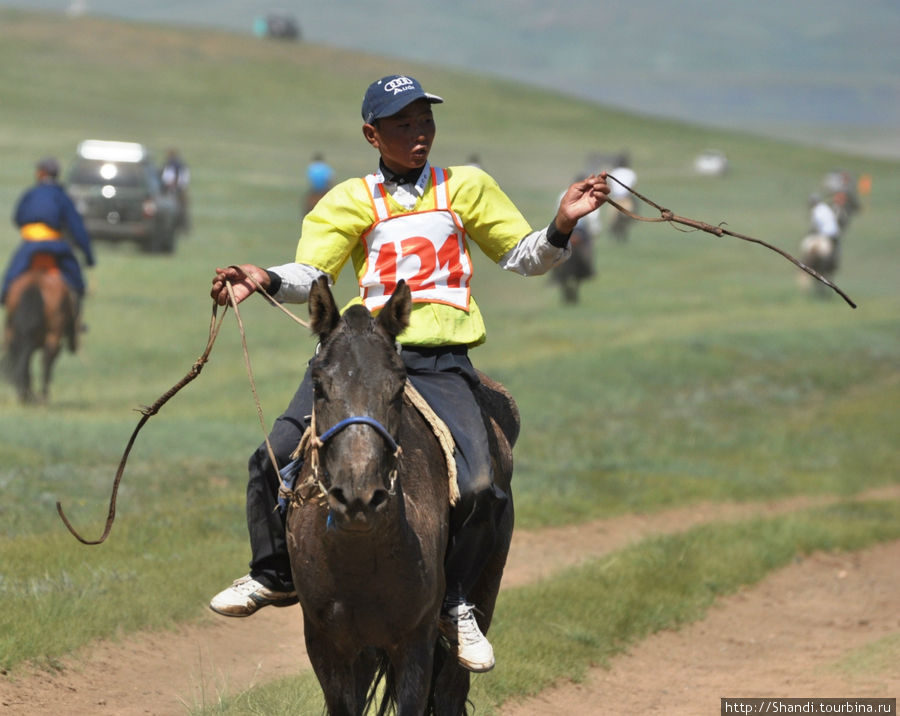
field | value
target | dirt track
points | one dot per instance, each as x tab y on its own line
784	637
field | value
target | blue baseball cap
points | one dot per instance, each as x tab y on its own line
390	94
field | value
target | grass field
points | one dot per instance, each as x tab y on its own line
693	369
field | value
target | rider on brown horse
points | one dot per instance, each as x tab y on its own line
44	215
407	220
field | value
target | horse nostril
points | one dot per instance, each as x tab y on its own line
337	498
379	499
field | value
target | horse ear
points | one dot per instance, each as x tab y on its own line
323	311
394	316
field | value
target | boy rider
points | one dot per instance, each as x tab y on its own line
408	220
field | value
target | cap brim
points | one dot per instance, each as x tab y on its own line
433	98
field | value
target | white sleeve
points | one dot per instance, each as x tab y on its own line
296	280
533	255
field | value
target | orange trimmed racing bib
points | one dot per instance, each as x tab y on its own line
426	248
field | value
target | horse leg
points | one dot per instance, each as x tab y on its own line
21	371
570	290
52	346
55	315
412	663
450	684
339	676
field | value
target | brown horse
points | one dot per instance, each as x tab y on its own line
368	527
619	223
41	313
577	268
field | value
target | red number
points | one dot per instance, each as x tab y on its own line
449	256
423	249
386	267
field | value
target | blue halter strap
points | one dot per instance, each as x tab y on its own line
360	420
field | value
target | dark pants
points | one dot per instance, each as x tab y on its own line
445	378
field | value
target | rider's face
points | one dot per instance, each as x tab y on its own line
404	139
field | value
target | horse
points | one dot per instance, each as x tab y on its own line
41	314
577	268
821	253
368	525
619	223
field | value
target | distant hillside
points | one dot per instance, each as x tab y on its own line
800	69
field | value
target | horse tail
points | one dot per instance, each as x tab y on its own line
28	319
383	691
26	326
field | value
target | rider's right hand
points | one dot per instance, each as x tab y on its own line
241	283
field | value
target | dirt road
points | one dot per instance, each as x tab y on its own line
825	626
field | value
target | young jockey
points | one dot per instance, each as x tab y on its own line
407	220
44	213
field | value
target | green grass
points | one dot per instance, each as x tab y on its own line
694	369
875	658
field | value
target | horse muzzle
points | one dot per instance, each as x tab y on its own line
355	513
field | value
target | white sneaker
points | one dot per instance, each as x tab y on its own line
473	651
246	595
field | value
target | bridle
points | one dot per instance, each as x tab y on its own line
318	442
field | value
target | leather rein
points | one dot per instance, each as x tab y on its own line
666	215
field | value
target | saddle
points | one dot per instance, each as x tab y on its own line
44	262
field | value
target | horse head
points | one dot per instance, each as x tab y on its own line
358	379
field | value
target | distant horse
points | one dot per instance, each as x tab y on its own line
821	253
577	268
619	223
41	313
368	526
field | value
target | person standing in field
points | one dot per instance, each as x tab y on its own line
176	178
320	177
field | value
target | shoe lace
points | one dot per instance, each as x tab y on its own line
467	626
245	585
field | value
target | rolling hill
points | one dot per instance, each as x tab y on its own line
801	70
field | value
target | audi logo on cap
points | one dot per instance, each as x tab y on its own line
398	85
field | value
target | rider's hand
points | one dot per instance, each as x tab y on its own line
241	283
581	199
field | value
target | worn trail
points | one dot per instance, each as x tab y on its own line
167	673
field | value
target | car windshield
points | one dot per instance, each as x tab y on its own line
123	174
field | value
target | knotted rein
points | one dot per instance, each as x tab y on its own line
665	215
149	411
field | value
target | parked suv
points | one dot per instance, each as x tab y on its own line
116	189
